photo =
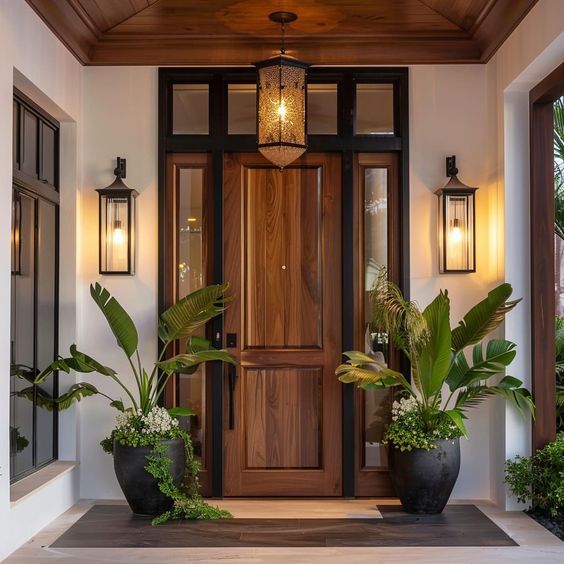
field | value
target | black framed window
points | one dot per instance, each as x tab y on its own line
34	288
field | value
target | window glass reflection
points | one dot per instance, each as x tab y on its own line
377	403
374	109
190	109
191	277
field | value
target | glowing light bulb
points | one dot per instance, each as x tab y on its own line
282	111
118	237
455	234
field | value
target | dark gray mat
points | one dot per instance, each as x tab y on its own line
114	526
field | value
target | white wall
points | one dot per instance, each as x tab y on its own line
120	119
534	50
31	57
449	115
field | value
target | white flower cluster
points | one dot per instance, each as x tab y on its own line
403	406
122	419
158	421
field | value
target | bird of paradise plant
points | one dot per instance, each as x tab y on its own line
179	322
437	356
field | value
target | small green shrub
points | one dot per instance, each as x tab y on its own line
539	479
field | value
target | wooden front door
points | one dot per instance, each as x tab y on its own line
282	257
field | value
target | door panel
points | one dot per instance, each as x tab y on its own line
283	304
282	249
282	417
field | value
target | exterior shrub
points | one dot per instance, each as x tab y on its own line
539	479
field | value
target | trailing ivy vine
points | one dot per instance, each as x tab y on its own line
188	504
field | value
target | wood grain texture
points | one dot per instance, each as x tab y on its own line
282	417
543	299
230	32
114	526
270	377
283	258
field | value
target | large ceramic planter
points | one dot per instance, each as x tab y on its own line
424	479
139	487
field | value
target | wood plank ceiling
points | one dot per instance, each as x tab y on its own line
238	32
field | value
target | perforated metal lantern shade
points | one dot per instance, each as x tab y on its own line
117	227
281	104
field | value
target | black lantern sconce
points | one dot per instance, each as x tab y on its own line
457	225
117	225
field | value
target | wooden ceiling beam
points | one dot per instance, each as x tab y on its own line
159	50
500	22
371	33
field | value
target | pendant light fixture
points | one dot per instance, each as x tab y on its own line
281	102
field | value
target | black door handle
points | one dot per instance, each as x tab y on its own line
232	379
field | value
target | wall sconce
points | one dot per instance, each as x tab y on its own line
281	103
457	226
117	225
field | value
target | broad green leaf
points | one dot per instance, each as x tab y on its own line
499	354
191	312
182	363
79	362
118	319
458	418
75	393
483	318
180	411
118	404
384	377
435	357
359	358
196	344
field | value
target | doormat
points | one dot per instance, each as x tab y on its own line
114	526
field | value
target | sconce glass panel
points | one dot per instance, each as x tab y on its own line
456	232
117	234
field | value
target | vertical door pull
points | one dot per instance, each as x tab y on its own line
232	376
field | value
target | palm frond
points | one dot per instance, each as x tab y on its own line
189	362
393	314
355	371
483	318
191	312
499	354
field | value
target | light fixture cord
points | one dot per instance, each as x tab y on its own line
283	29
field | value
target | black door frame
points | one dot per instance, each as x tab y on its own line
218	142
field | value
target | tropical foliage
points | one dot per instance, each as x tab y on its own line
539	479
436	354
180	321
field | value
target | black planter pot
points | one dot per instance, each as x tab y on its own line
424	479
139	487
